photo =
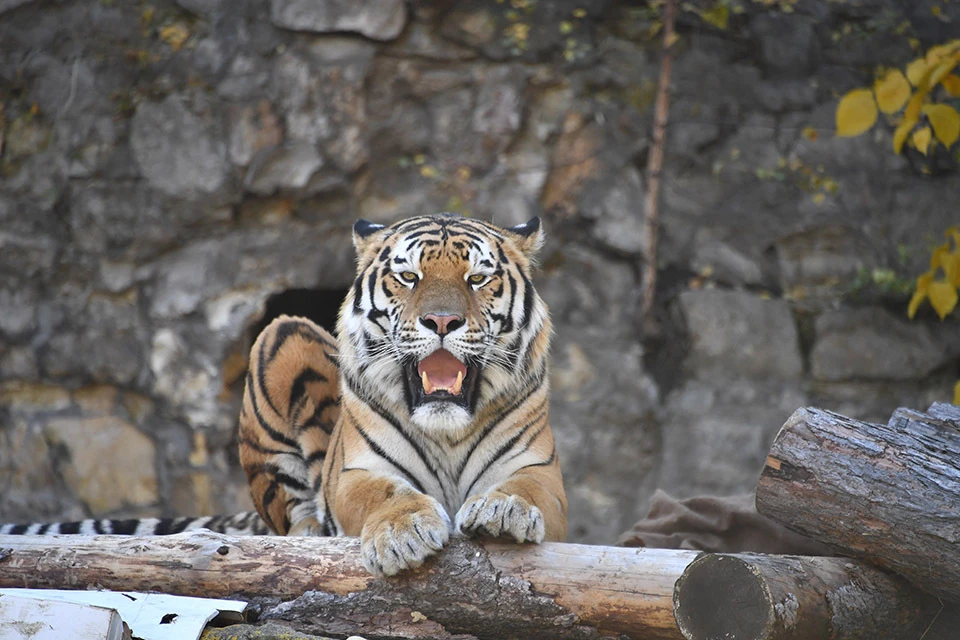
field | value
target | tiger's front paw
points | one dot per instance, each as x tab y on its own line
306	527
399	538
496	513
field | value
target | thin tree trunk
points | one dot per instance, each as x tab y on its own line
651	213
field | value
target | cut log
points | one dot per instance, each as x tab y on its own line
497	590
767	597
889	494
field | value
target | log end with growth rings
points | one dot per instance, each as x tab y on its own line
721	596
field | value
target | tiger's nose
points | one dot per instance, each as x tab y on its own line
442	324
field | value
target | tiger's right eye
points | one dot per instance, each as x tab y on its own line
409	276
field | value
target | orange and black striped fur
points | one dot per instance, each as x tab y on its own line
429	414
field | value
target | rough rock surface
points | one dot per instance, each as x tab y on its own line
172	173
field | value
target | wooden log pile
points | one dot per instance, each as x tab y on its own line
887	497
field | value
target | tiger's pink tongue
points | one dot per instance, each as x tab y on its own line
441	371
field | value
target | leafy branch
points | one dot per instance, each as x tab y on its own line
923	123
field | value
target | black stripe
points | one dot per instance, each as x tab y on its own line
42	530
124	527
380	411
527	299
299	386
18	529
290	481
70	528
513	297
163	528
377	449
490	426
266	500
297	327
98	527
503	449
544	463
256	446
273	433
316	456
262	378
358	295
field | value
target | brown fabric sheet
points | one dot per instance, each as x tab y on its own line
716	524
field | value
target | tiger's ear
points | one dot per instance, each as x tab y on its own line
528	237
364	233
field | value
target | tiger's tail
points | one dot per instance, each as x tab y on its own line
247	523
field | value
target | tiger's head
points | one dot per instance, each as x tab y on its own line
442	318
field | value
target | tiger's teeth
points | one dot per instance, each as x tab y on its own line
458	384
427	387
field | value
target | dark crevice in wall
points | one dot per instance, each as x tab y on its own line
319	305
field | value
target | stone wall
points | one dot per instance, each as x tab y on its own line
171	173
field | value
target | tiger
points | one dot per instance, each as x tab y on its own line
426	417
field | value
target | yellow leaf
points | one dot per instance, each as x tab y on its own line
819	198
945	121
670	40
892	91
718	15
915	104
924	280
940	71
856	112
918	297
937	257
900	135
951	267
921	140
916	71
939	52
956	394
951	82
943	297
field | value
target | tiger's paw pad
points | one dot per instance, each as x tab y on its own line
499	514
391	546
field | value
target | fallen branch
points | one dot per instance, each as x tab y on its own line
767	597
495	590
885	493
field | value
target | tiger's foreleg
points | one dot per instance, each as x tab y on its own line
290	406
529	505
526	507
399	527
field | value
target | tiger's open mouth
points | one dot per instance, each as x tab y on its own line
441	377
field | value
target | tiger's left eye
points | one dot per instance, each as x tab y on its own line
409	276
477	278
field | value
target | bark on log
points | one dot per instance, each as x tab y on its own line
768	597
495	590
887	493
